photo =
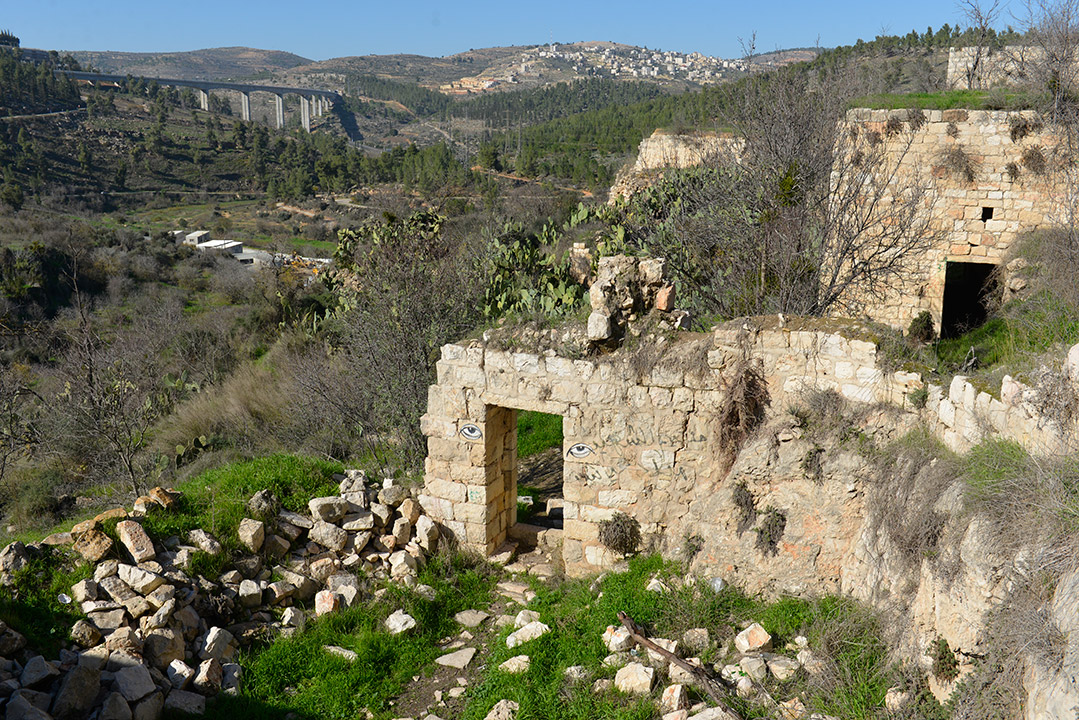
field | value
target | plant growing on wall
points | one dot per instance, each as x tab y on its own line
620	534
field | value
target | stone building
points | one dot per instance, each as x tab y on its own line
990	177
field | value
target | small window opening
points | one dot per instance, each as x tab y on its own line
539	469
987	213
969	289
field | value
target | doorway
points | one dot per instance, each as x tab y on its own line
969	289
539	469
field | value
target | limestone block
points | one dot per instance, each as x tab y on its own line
753	638
136	540
635	679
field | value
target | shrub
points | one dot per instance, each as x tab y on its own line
1034	160
921	329
945	662
770	530
747	506
621	534
1020	127
956	161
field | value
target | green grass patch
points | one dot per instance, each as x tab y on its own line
537	432
216	499
31	605
997	99
296	675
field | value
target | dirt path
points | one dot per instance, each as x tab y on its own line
520	178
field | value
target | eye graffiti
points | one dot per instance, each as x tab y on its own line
471	432
580	450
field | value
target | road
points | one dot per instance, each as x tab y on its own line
40	115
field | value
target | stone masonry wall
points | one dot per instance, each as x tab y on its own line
644	442
1005	179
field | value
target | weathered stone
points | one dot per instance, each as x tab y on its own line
165	498
754	666
13	558
20	707
218	644
134	682
529	632
617	639
402	563
341	652
635	679
293	617
294	518
674	698
263	504
135	539
77	693
107	620
783	668
503	710
753	638
93	545
149	708
125	638
38	672
516	665
400	622
599	326
85	634
326	601
665	298
250	594
231	676
204	541
471	618
115	707
184	701
251	533
458	660
524	617
392	496
180	674
275	546
328	536
696	640
162	646
139	580
328	509
208	678
402	531
427	534
410	510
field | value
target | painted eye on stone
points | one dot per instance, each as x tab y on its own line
580	450
471	432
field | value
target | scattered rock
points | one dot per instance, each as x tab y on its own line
754	666
251	533
524	617
205	541
617	638
93	545
135	539
184	701
208	678
458	660
516	665
753	638
328	536
529	632
180	674
635	679
328	509
400	622
503	710
341	652
471	618
783	668
674	698
134	682
326	601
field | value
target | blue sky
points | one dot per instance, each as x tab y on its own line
329	28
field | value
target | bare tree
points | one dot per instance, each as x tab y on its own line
981	18
1050	59
814	215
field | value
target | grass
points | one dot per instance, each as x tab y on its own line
578	617
537	432
948	100
31	607
216	499
296	677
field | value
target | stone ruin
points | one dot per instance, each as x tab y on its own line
157	636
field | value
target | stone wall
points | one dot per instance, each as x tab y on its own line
642	440
1005	180
1002	66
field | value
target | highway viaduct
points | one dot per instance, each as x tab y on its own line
313	103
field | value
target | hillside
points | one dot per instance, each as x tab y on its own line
228	63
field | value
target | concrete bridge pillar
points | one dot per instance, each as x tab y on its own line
280	103
245	106
305	112
204	99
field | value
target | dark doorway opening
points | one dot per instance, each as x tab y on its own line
539	469
968	290
987	214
